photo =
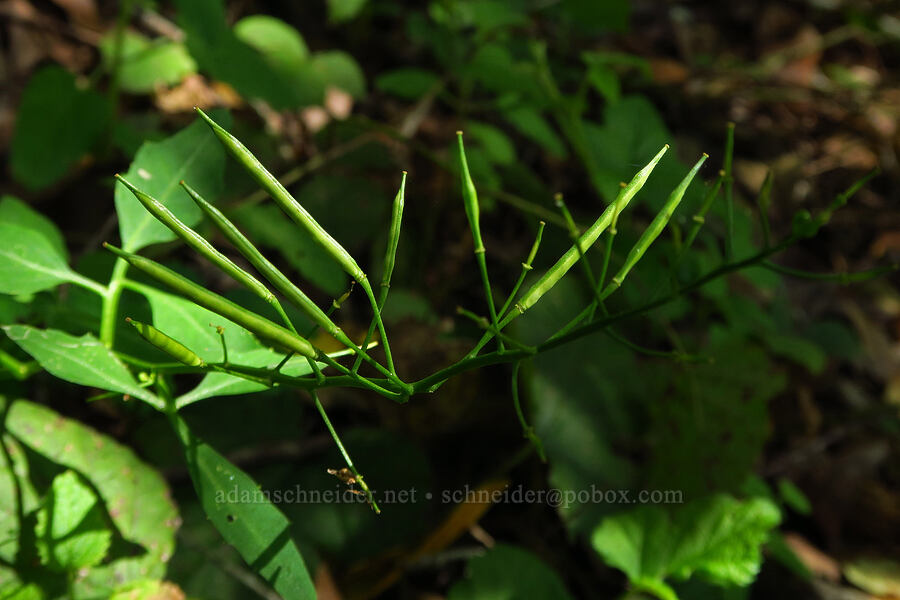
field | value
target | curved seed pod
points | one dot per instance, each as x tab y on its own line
198	243
284	199
267	269
654	229
390	254
219	305
470	197
567	260
173	348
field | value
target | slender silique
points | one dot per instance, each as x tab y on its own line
219	305
567	260
170	346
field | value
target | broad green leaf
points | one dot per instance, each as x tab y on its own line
496	144
532	125
245	518
344	10
717	537
71	530
280	43
30	261
494	14
57	124
494	68
192	154
135	496
16	212
591	16
507	573
82	360
710	430
409	83
582	408
14	480
147	63
283	49
797	349
219	52
339	69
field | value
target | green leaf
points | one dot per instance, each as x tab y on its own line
717	537
800	350
82	360
532	125
409	83
344	10
220	53
192	154
16	212
245	518
710	430
146	64
71	530
15	479
794	497
281	44
33	256
136	496
58	122
283	49
507	572
496	144
583	408
591	16
340	70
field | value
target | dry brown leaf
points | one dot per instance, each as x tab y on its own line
326	588
195	91
812	558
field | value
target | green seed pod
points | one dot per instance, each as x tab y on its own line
171	347
266	268
284	199
470	197
219	305
654	229
390	254
567	260
198	243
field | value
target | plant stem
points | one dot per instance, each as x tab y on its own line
729	193
110	308
527	430
344	453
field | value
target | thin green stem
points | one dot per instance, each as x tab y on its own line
19	369
729	193
527	430
486	325
337	440
488	294
526	267
841	278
